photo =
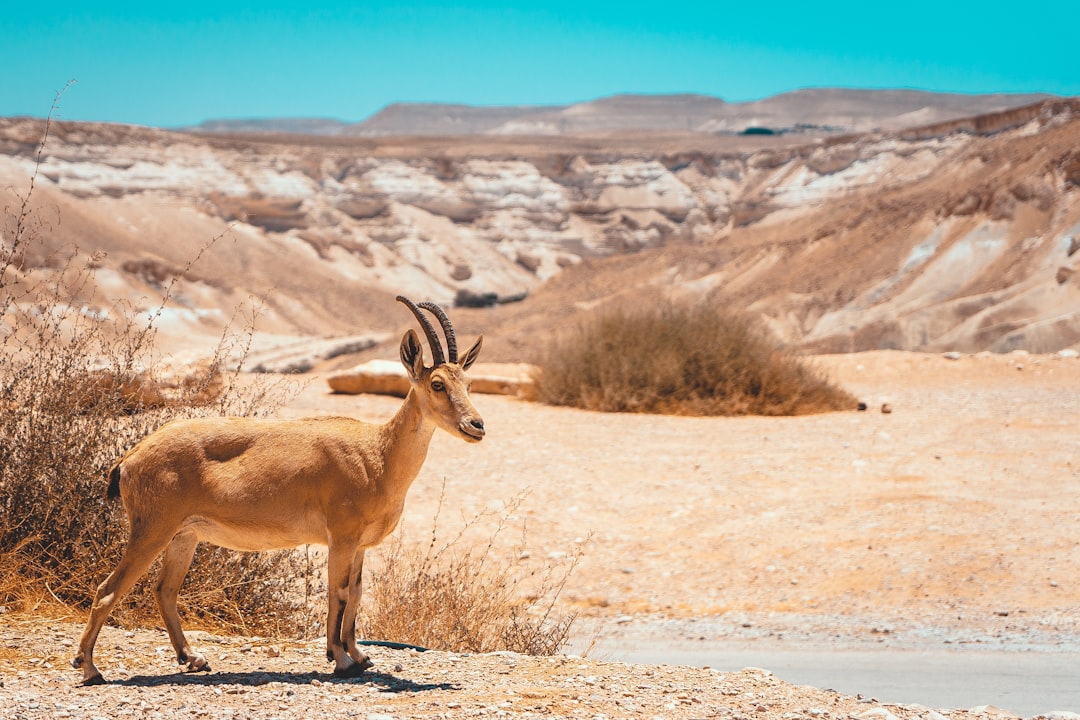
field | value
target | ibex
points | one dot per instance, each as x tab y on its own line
257	484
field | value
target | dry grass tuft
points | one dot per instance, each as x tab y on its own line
667	358
461	597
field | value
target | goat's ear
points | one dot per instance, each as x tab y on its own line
472	353
412	355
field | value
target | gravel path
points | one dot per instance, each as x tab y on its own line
256	679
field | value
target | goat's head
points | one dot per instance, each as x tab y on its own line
443	388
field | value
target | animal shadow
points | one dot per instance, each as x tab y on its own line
386	682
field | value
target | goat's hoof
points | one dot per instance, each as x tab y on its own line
353	671
197	663
93	680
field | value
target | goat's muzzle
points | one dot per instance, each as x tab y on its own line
472	429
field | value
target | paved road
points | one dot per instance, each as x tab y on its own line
1025	683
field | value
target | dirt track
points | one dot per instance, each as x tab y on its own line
949	522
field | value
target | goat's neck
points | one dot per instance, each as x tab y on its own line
405	440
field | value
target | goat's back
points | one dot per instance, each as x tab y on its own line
244	476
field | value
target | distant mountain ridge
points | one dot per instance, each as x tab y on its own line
295	126
822	110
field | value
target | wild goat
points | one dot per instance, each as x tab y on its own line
256	484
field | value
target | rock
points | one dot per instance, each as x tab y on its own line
461	272
988	710
387	377
470	298
379	377
877	714
301	356
514	379
952	355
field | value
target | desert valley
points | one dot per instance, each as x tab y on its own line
953	236
920	251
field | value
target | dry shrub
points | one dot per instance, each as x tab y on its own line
463	597
67	414
691	360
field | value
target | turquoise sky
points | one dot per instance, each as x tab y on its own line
178	63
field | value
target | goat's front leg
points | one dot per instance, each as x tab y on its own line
339	570
352	606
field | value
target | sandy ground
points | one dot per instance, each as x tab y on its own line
957	511
948	524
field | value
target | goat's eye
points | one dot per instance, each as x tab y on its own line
437	385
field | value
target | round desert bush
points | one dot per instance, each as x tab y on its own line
690	360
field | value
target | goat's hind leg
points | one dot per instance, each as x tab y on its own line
174	568
143	546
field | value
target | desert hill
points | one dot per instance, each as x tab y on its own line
811	110
954	235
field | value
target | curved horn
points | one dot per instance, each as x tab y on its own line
429	330
447	327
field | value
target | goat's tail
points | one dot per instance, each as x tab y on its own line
114	483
